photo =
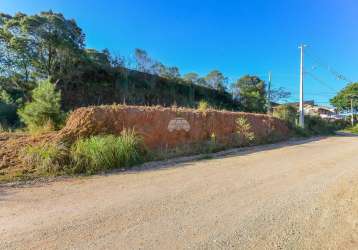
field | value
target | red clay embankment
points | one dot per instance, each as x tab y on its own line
168	127
160	128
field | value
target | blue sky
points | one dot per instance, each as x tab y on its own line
236	37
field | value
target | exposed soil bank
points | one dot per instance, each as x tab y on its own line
161	129
169	127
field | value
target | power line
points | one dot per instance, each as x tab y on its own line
319	80
330	69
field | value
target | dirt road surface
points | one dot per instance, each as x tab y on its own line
293	195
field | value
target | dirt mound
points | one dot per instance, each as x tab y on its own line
11	145
161	128
168	127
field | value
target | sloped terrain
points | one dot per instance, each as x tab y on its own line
11	147
161	128
152	124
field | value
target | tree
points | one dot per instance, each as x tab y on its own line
44	108
342	101
216	80
143	60
38	46
287	113
171	73
202	82
57	41
279	94
191	78
16	50
251	94
158	69
102	58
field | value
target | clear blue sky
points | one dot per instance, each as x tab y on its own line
236	37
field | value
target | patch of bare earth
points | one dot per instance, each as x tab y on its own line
11	147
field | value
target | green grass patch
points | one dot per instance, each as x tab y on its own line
353	130
86	156
101	153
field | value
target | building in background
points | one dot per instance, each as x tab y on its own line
310	108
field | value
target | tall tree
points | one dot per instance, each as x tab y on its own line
342	101
172	73
44	44
251	94
279	94
57	40
143	60
16	50
191	77
216	80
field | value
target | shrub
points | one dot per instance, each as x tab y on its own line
354	129
100	153
287	113
315	125
203	106
244	134
300	132
50	158
44	110
211	146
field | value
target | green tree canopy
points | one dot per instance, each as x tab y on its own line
251	93
191	77
44	44
44	108
342	101
216	80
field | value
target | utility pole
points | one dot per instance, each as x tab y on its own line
269	94
302	112
352	112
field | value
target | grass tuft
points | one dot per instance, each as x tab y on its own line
47	158
101	153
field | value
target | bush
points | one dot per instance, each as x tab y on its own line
50	158
354	129
287	113
44	110
315	125
101	153
244	132
203	106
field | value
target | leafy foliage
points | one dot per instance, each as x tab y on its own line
353	130
216	80
48	45
203	106
315	125
287	113
244	133
342	101
251	94
44	108
43	45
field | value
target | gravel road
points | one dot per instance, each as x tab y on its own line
292	195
